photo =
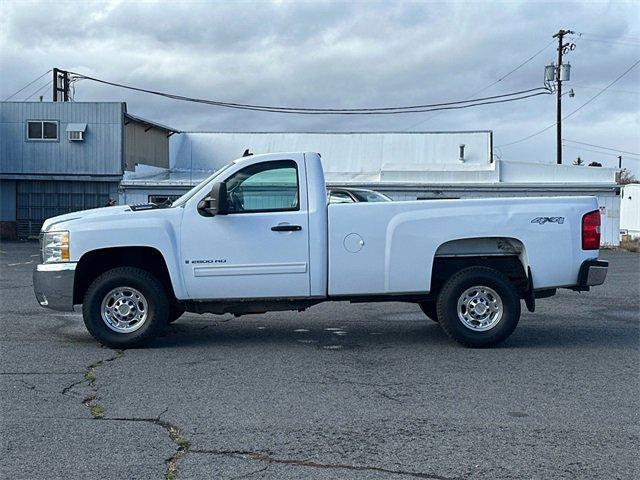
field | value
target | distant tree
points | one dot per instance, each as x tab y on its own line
578	161
625	177
595	164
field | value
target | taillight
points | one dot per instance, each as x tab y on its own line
591	230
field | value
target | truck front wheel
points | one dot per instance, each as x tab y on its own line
125	307
478	307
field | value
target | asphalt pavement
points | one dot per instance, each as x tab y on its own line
341	391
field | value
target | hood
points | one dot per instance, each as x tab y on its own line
51	223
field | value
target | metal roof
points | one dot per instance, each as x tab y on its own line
149	123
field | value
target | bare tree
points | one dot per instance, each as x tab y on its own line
625	177
578	161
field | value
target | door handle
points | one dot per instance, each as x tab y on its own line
286	228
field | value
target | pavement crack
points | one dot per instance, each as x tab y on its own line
174	432
28	385
41	373
91	400
355	383
13	287
69	387
254	472
98	413
390	397
263	457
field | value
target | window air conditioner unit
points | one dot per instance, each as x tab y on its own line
76	136
75	132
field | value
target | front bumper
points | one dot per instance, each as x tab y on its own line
592	272
53	285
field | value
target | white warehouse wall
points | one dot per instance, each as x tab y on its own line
630	209
356	153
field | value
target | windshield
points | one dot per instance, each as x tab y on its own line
370	196
187	196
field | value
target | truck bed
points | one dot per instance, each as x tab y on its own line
388	248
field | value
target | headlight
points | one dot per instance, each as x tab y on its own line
55	247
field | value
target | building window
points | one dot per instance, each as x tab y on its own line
42	130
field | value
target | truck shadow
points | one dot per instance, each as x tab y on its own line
397	334
320	336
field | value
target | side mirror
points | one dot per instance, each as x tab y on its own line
216	203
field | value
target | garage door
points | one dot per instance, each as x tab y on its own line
38	200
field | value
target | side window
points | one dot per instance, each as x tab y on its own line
340	197
42	130
264	187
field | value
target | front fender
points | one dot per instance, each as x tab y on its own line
158	229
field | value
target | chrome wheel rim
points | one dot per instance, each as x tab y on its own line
124	309
480	308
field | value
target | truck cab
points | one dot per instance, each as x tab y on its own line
259	235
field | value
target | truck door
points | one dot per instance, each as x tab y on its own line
260	249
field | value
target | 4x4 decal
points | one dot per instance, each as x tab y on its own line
543	220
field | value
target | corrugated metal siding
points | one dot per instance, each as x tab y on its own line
99	154
150	147
39	200
8	200
341	152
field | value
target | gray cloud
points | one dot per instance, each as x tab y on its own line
338	54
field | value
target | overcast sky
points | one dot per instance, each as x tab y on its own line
334	54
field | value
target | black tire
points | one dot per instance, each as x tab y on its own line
158	306
430	309
175	312
457	285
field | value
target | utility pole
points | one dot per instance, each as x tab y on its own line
60	85
619	161
560	36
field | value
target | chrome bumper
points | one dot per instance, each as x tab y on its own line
53	285
592	272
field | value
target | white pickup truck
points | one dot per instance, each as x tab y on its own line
259	235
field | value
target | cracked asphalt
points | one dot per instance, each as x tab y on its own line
341	391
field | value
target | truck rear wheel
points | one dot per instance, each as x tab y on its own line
125	307
175	312
478	307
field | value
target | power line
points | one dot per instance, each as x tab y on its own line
603	90
629	37
612	42
27	85
600	153
622	39
333	111
577	109
575	147
39	90
495	82
613	90
600	146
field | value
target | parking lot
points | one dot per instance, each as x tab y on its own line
364	391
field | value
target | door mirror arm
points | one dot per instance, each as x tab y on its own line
216	203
